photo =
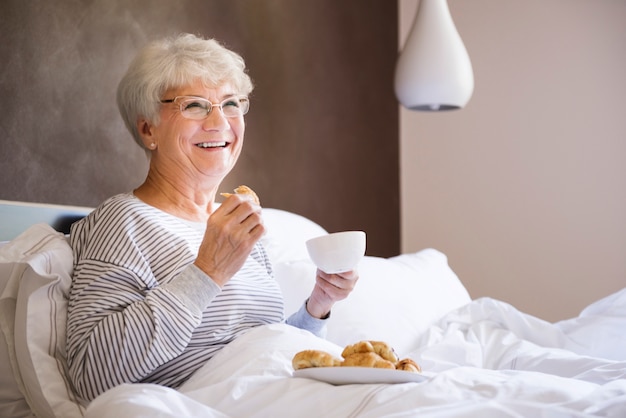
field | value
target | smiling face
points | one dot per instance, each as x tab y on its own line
194	153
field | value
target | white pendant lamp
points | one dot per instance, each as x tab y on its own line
434	71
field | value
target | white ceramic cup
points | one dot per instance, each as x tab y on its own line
337	252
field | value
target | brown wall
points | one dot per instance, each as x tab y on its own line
322	134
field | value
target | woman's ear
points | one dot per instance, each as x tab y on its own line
144	127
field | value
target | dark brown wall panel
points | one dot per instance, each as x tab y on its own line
322	134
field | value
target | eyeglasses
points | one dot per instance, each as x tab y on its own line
199	108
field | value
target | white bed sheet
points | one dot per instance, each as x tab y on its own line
486	359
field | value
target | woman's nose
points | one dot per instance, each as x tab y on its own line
215	120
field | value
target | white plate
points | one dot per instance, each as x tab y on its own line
351	375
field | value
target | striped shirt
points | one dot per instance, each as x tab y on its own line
134	314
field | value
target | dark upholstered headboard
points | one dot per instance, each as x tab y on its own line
322	134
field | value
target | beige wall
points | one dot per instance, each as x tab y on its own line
525	189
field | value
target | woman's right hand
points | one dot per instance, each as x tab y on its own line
232	231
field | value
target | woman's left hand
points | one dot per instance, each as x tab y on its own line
330	288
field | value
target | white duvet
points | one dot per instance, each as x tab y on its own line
485	359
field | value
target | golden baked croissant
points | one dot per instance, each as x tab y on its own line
369	359
384	350
244	190
408	365
314	358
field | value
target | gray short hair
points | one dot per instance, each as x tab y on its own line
172	63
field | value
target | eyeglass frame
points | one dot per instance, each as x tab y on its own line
241	99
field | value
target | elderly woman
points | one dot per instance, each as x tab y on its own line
163	276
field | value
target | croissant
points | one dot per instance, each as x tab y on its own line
408	365
369	359
314	358
384	350
244	190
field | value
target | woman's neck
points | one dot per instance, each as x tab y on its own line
177	198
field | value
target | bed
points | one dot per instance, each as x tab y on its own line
479	357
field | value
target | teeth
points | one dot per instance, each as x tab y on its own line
212	144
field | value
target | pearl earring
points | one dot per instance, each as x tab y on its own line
152	145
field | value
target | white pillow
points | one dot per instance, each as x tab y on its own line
12	401
395	300
38	287
286	234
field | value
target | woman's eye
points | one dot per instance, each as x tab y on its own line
230	103
195	105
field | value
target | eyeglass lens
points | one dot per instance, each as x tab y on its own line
199	108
